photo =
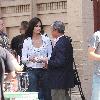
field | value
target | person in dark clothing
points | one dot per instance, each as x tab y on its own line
60	64
7	64
17	42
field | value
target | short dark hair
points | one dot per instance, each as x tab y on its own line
32	23
24	24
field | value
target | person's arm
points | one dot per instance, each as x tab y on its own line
92	54
59	60
12	62
9	60
93	46
61	57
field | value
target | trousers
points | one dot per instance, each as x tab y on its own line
38	82
95	87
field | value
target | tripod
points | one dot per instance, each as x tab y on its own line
77	81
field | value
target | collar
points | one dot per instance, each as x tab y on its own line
56	39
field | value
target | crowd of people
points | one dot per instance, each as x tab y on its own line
49	64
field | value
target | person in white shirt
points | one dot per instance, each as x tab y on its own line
36	46
94	56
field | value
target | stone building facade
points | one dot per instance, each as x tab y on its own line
77	16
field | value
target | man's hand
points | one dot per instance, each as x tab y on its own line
45	60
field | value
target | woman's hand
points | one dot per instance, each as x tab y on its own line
32	59
45	60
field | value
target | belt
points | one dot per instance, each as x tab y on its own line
34	69
30	68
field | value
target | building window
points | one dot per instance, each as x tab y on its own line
52	6
15	9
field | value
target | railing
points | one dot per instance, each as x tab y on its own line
42	7
52	6
15	9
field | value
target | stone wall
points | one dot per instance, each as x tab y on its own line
88	30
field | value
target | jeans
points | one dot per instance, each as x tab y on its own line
38	82
96	87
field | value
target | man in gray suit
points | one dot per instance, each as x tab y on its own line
7	64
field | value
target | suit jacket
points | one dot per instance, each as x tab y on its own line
60	65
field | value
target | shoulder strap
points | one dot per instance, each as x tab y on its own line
69	38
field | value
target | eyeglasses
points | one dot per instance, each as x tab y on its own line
52	29
38	26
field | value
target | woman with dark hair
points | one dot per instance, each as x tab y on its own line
36	46
32	23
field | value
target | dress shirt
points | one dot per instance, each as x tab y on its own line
56	39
